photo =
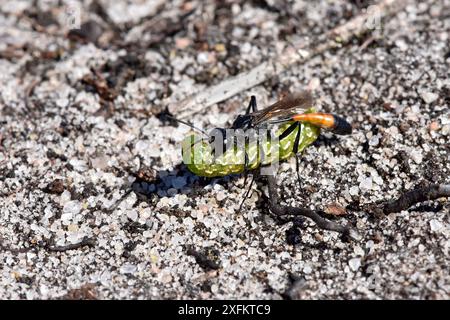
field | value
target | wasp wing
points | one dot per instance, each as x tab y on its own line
284	108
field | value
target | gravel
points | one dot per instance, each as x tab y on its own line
86	154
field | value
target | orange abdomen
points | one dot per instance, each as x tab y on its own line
322	120
327	121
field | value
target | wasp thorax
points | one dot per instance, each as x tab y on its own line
242	122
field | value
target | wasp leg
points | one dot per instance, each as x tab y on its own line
252	105
295	150
246	169
247	193
297	138
297	169
282	211
288	131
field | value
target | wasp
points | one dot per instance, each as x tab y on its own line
249	144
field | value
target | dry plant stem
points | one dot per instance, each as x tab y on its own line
90	242
410	198
295	54
321	222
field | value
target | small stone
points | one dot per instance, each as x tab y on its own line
445	129
72	228
307	269
303	53
314	84
428	96
145	213
220	47
354	191
374	141
416	156
436	225
318	237
62	103
132	215
142	146
246	47
182	43
434	126
203	57
64	198
221	196
100	162
214	288
358	251
378	180
355	235
366	183
252	251
79	165
369	244
401	44
55	187
72	207
166	277
128	268
335	209
354	264
48	213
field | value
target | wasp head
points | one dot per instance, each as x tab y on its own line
242	122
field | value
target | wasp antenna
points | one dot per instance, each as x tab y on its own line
187	124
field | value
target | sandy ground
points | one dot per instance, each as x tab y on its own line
86	158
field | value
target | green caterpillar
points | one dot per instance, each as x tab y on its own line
199	157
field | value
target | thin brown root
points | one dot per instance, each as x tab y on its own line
412	197
321	222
